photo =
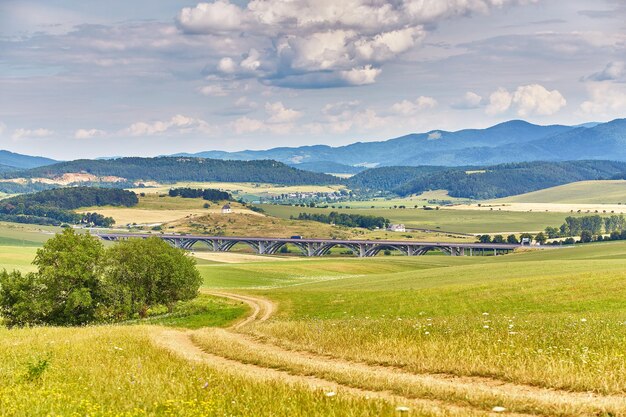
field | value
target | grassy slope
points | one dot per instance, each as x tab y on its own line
460	221
598	192
118	371
552	319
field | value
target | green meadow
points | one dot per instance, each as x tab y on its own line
460	221
436	333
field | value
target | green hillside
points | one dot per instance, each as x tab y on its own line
173	169
584	192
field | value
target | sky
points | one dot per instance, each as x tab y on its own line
84	79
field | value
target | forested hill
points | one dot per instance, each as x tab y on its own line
389	178
487	182
172	169
54	207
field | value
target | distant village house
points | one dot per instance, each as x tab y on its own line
396	228
226	209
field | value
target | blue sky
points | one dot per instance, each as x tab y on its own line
145	77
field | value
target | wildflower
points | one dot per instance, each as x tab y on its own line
485	326
402	409
331	394
426	332
583	320
485	314
117	348
498	409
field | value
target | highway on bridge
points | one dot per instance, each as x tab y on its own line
321	247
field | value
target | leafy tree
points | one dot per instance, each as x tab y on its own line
552	232
498	239
484	239
150	271
19	299
586	236
512	239
541	238
68	271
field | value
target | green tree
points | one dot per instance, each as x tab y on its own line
541	238
19	301
586	236
150	272
498	239
512	239
552	232
484	239
69	274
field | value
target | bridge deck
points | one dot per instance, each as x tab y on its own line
320	247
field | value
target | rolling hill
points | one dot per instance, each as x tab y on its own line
11	161
173	169
484	182
592	192
436	147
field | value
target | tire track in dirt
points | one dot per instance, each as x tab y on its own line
263	309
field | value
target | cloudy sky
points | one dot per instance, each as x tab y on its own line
142	77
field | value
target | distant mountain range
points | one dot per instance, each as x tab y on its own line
10	161
513	141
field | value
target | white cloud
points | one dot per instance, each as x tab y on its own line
527	100
434	136
245	125
407	108
288	42
535	99
31	134
361	76
88	133
211	17
227	65
605	100
615	70
180	123
278	113
469	101
499	102
214	91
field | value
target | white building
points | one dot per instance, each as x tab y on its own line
396	228
226	209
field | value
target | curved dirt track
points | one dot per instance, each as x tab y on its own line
185	344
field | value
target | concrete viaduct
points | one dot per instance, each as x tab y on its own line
321	247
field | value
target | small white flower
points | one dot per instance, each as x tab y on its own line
331	394
485	314
583	320
117	348
402	409
485	326
498	409
426	332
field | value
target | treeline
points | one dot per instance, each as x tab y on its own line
174	169
484	182
54	207
206	194
590	228
349	220
80	282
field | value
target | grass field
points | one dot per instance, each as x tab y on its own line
585	192
533	332
460	221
